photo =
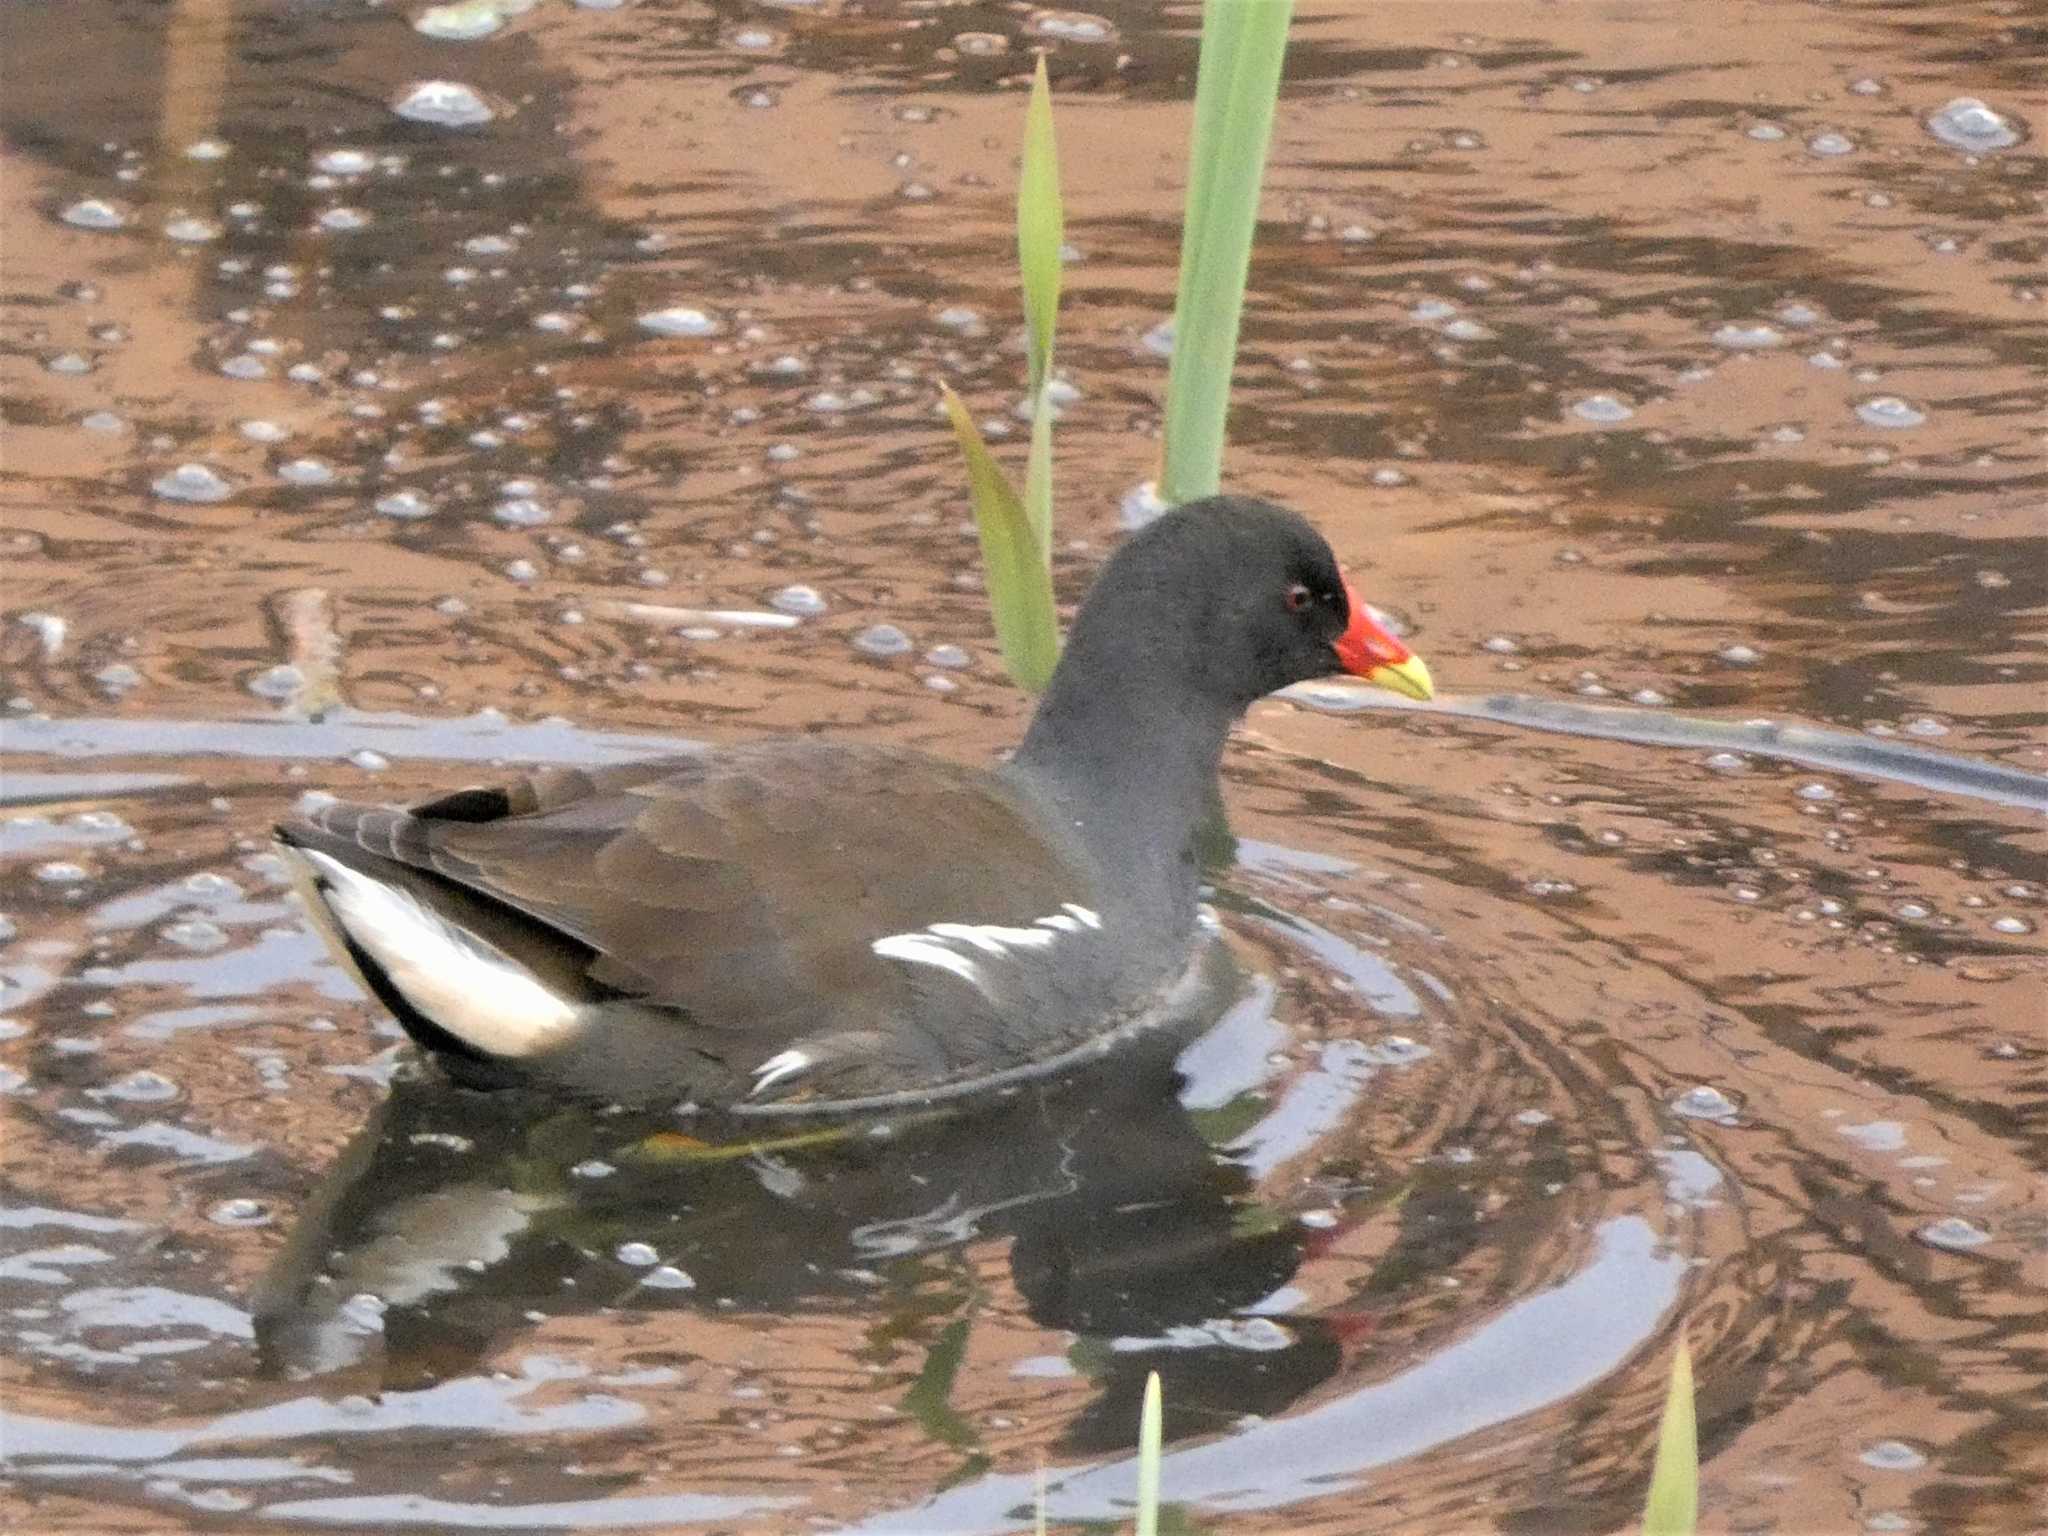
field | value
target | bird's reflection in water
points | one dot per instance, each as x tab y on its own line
457	1218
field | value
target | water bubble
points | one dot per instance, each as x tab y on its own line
192	230
1395	1051
1739	655
97	213
639	1255
1814	791
679	322
144	1087
752	39
1071	27
802	601
61	872
245	365
103	421
1893	1456
521	512
666	1277
1748	338
444	104
240	1212
306	472
953	657
882	640
369	761
342	220
1889	411
1925	725
196	934
1829	143
1968	124
2012	925
118	677
407	506
1704	1103
344	161
1767	133
1158	340
1603	408
980	45
1466	329
1141	504
1954	1234
467	20
192	482
282	681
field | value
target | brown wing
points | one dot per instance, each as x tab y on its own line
748	885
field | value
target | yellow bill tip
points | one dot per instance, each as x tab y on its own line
1408	678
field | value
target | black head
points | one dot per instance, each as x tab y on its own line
1233	596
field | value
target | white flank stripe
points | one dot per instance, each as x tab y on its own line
470	988
991	938
921	949
930	945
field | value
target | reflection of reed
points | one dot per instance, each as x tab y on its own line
194	88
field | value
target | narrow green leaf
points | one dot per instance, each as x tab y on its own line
1041	231
1244	44
1149	1435
1038	478
1674	1504
1019	585
1041	228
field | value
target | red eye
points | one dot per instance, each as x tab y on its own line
1299	598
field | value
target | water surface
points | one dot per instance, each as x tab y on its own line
1628	361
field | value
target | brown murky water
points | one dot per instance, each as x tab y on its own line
1652	353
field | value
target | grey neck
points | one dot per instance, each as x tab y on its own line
1132	771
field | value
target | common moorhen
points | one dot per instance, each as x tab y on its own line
797	924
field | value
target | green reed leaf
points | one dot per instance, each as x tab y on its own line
1041	227
1237	82
1150	1432
1041	231
1019	586
1673	1508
